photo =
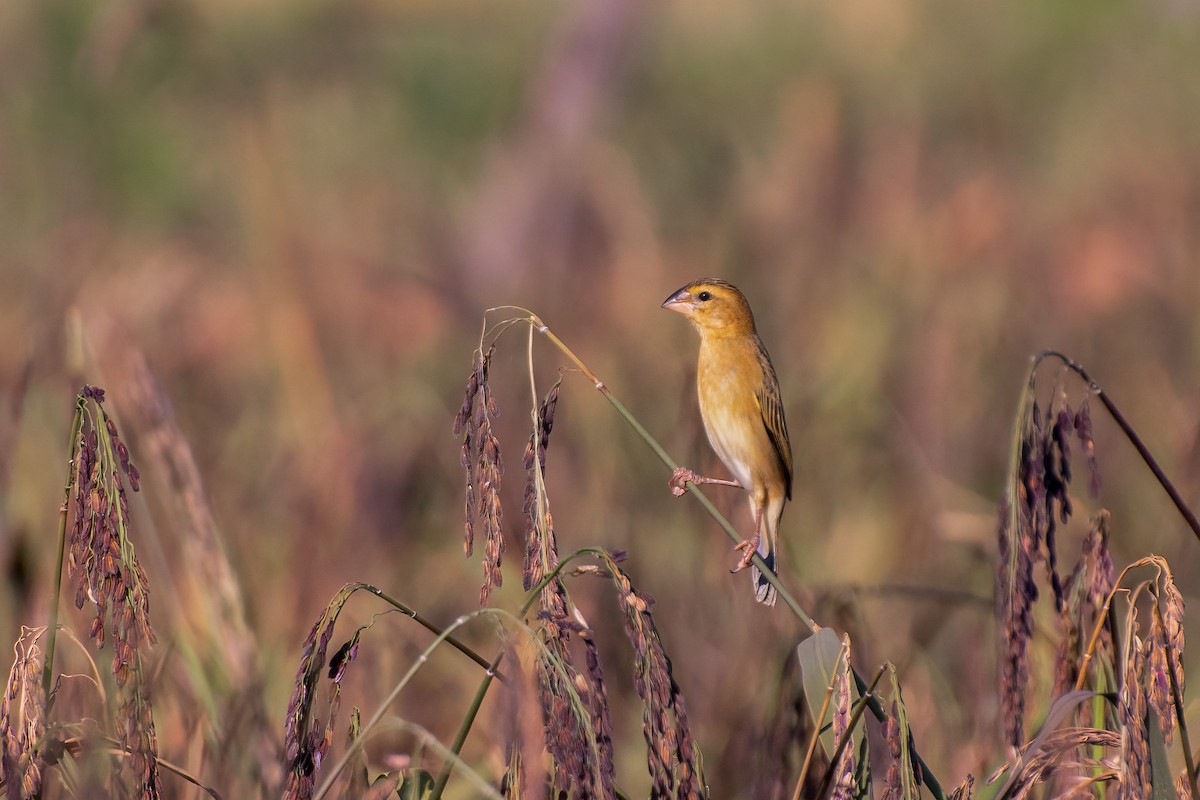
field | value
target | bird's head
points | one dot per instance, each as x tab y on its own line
714	306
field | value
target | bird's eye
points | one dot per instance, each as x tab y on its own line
704	297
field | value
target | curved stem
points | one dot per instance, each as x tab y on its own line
434	629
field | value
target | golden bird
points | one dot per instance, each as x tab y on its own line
742	412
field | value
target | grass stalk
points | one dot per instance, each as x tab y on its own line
56	591
464	729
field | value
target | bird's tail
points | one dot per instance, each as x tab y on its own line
764	590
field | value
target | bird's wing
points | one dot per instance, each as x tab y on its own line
770	404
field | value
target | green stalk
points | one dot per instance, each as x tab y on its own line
464	729
56	592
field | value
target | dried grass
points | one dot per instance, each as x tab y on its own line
669	743
1165	648
1061	749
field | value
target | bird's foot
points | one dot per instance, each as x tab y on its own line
750	547
679	480
682	476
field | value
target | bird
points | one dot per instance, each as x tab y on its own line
743	415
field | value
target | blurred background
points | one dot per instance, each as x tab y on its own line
298	212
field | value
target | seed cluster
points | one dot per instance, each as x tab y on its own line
964	789
1134	767
904	773
306	738
1053	751
1165	660
1086	590
22	726
568	699
573	702
669	743
844	785
102	564
1120	635
1037	502
892	790
484	467
541	548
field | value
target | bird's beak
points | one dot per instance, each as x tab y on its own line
681	301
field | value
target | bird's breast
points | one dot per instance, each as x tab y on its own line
726	380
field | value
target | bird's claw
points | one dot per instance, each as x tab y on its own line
679	479
750	546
